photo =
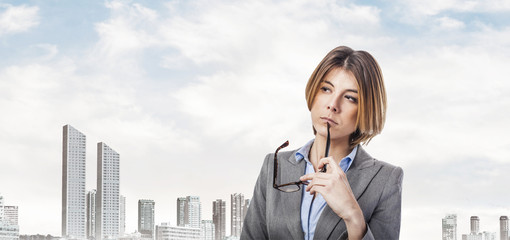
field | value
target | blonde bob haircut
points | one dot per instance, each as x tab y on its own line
371	91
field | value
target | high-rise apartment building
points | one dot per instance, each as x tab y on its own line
107	195
450	227
91	214
8	231
236	214
219	219
73	184
475	233
11	215
192	212
181	204
146	218
207	230
475	225
503	228
122	230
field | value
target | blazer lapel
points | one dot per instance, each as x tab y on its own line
359	176
290	171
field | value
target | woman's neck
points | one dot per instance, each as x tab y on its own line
339	148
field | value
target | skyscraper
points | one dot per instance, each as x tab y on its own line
8	230
450	227
475	233
192	212
475	225
122	230
503	228
73	183
91	214
107	196
236	211
219	219
181	203
146	218
11	215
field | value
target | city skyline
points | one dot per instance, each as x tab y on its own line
194	94
449	229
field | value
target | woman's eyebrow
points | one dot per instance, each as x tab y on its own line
352	90
328	82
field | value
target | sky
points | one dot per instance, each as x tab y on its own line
194	94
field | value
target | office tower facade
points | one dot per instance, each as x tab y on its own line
8	231
207	230
475	225
219	219
73	183
449	227
122	230
503	228
181	204
192	212
11	215
91	214
146	218
236	214
107	195
167	232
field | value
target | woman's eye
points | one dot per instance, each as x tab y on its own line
325	89
351	98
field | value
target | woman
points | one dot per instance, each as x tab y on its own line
358	197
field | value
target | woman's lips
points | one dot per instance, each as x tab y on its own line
331	121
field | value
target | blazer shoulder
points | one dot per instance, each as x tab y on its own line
394	173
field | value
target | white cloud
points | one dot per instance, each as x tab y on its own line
448	23
128	31
435	7
15	19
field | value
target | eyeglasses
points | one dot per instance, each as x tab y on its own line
294	186
288	187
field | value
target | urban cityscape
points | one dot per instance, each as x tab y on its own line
449	229
101	213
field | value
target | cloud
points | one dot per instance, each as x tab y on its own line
16	19
448	23
129	30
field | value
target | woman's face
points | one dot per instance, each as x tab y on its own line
336	102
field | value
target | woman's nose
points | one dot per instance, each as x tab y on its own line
334	104
332	108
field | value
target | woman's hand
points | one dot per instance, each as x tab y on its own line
335	189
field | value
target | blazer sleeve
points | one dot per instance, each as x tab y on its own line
385	221
254	225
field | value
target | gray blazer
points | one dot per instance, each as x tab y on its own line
276	215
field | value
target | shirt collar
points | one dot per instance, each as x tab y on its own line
304	151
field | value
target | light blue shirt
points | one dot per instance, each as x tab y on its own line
311	209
